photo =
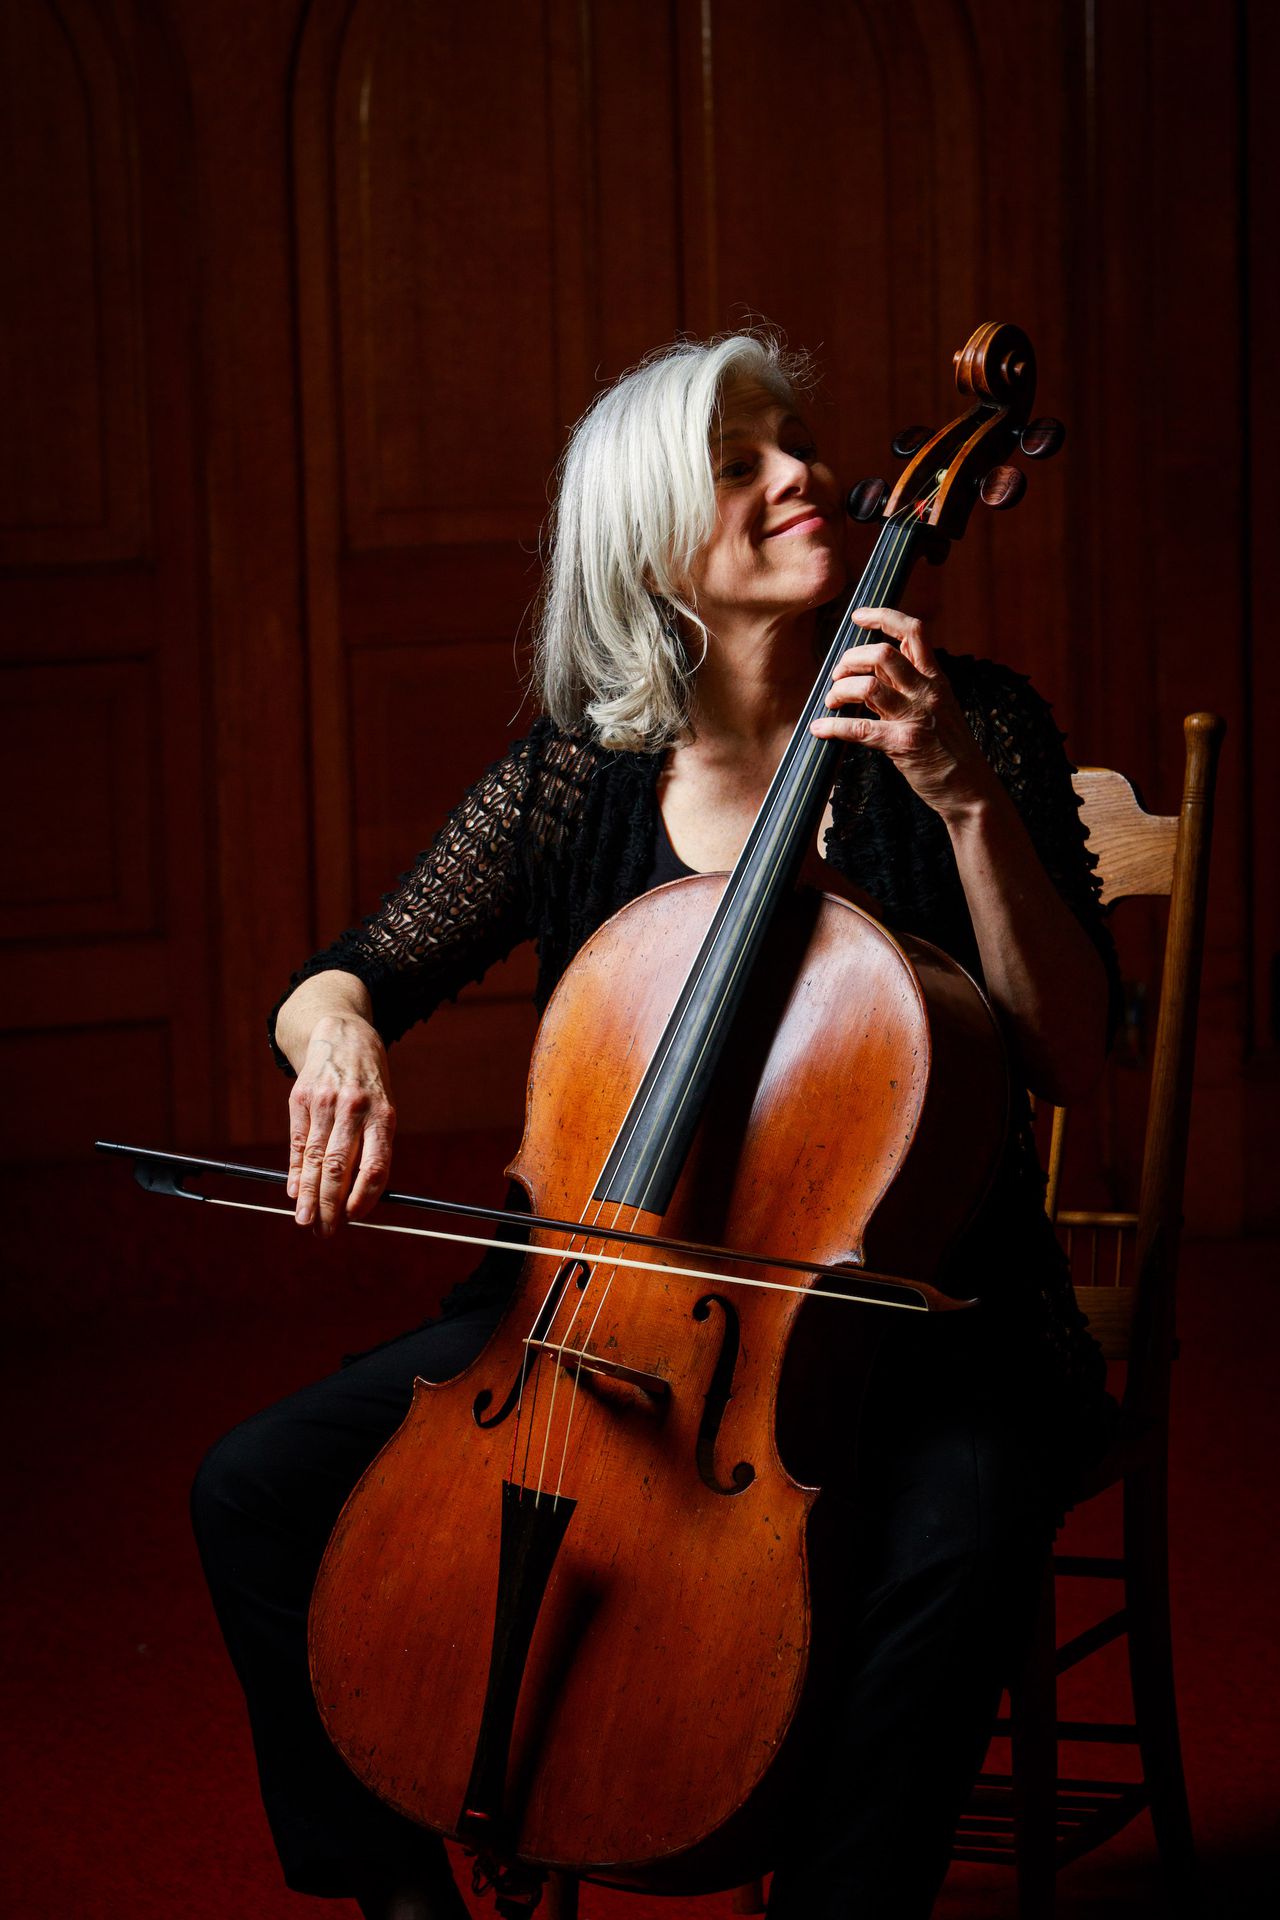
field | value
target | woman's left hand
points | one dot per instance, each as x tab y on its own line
917	720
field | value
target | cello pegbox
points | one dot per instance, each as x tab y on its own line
996	373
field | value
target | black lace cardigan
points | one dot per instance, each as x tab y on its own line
561	832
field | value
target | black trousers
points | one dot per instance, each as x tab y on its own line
952	1516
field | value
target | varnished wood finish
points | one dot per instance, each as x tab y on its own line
672	1648
1135	849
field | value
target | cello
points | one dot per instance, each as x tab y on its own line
618	1663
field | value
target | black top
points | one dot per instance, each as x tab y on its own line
666	863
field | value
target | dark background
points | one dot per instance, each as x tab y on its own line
298	304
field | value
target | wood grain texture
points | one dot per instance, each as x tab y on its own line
1135	849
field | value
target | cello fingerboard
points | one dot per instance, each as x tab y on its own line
654	1139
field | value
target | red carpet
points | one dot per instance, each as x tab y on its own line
142	1329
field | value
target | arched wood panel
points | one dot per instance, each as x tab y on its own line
104	929
74	484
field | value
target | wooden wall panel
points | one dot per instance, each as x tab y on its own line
239	62
73	487
89	1083
448	348
82	859
105	959
1155	441
1258	155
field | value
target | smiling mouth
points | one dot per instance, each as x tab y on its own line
805	523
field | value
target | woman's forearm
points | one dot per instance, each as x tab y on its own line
323	995
1041	969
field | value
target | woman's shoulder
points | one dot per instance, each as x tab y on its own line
560	760
570	783
1012	722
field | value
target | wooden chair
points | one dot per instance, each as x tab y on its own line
1035	1819
1031	1818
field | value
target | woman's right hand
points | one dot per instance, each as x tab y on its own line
341	1123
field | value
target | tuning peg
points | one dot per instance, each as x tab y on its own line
910	441
1003	487
1041	439
866	499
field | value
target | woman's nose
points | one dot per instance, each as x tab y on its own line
786	473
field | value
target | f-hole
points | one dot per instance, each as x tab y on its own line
577	1270
719	1394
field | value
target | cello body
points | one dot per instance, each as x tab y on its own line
575	1612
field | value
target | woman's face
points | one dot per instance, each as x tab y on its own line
778	543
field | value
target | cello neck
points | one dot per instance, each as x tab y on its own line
654	1139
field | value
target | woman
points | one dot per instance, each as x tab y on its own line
698	543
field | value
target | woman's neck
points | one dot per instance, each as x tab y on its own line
751	685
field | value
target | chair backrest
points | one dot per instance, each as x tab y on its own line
1144	853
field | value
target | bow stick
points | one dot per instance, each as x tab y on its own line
161	1172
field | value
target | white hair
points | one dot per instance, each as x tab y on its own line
636	502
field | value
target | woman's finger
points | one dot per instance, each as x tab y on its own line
891	620
338	1164
321	1108
867	690
906	630
887	662
850	686
299	1128
897	738
375	1161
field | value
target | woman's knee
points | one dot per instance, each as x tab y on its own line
215	1490
235	1483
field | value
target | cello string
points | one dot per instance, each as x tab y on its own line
894	549
582	1350
533	1410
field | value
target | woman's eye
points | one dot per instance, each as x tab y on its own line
735	470
805	451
